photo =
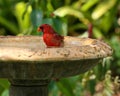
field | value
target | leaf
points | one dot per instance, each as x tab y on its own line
49	6
102	8
88	5
36	17
106	21
116	46
53	89
66	10
97	33
4	83
9	25
60	26
5	93
19	12
47	21
65	86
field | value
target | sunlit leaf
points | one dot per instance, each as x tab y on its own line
49	6
107	21
88	5
66	10
63	11
97	33
20	8
5	93
102	8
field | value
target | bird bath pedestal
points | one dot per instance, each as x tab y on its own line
29	65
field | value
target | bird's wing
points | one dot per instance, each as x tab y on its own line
58	37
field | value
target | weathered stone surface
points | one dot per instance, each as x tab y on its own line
42	71
32	48
28	91
29	65
27	57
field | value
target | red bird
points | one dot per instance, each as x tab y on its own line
50	37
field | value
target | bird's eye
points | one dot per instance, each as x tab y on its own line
41	28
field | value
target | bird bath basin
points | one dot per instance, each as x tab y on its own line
29	65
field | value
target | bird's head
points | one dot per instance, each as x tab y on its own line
44	28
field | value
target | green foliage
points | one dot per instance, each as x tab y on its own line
23	19
69	17
4	85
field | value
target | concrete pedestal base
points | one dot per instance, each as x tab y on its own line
29	89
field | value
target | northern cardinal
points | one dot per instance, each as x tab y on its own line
50	37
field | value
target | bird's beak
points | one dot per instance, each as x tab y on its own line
39	29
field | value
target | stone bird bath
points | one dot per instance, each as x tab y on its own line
29	65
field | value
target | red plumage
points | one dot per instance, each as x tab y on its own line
50	37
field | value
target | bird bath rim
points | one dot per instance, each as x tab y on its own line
32	48
29	65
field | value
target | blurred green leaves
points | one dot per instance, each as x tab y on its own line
63	11
116	45
24	22
4	85
36	17
89	4
68	17
5	93
66	10
9	25
102	8
29	15
65	86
